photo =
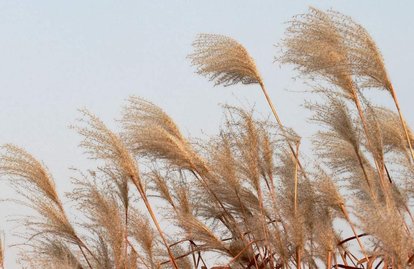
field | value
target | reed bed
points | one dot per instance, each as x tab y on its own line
245	198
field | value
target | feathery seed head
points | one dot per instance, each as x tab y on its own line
103	144
23	169
364	56
392	134
314	45
223	60
31	180
149	131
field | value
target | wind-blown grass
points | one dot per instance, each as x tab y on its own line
246	197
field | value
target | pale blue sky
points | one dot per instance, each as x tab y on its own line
57	56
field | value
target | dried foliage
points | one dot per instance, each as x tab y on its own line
240	199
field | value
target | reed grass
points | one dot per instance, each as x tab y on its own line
246	197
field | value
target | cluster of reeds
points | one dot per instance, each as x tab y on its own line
246	198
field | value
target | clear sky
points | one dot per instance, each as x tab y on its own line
58	56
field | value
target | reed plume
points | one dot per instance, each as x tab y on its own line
325	56
223	60
52	253
21	168
227	62
142	232
101	143
33	182
220	62
392	135
316	49
104	215
150	132
367	62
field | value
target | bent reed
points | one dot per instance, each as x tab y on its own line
245	198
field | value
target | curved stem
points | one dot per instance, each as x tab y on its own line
296	182
380	168
154	220
345	212
84	255
404	125
329	260
279	122
126	238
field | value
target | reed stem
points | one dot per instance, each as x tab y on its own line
84	255
345	212
329	260
296	182
404	125
298	258
379	167
154	219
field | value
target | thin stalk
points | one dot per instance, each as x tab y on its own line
298	258
126	237
335	261
239	254
245	219
363	169
79	241
262	216
154	220
139	256
397	105
380	168
296	182
380	262
329	260
2	251
343	257
200	178
82	244
271	187
200	257
345	212
195	249
84	255
272	107
295	206
193	256
181	256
